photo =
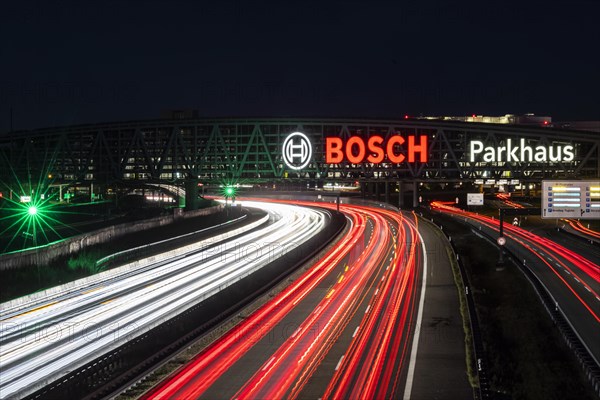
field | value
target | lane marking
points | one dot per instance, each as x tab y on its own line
339	363
269	363
296	332
355	331
368	308
415	344
33	310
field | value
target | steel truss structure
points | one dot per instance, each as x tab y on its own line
249	151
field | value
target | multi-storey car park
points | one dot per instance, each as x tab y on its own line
373	154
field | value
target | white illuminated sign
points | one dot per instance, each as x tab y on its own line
474	199
297	150
571	199
520	153
25	199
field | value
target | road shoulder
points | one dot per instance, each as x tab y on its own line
440	371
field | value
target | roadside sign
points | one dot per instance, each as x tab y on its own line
501	241
571	199
474	199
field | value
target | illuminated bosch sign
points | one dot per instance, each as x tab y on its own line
297	150
376	149
396	149
520	152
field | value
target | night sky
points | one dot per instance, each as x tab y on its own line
66	62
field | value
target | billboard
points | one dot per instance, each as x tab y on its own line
571	199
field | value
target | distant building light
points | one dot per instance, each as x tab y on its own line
527	119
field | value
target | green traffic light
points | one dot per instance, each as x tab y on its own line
31	214
229	191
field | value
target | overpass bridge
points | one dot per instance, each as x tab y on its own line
251	151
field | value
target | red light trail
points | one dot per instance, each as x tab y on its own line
578	226
363	321
553	255
506	200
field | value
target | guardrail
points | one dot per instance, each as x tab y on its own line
43	255
587	361
132	267
134	252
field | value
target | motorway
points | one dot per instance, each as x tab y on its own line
343	329
44	339
570	272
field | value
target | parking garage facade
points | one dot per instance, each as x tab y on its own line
373	155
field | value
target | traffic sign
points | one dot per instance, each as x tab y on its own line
474	199
571	199
501	241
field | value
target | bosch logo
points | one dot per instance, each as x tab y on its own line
297	150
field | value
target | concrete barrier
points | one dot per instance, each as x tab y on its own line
86	283
43	255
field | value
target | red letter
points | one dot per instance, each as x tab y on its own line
421	148
395	159
355	159
374	145
333	150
